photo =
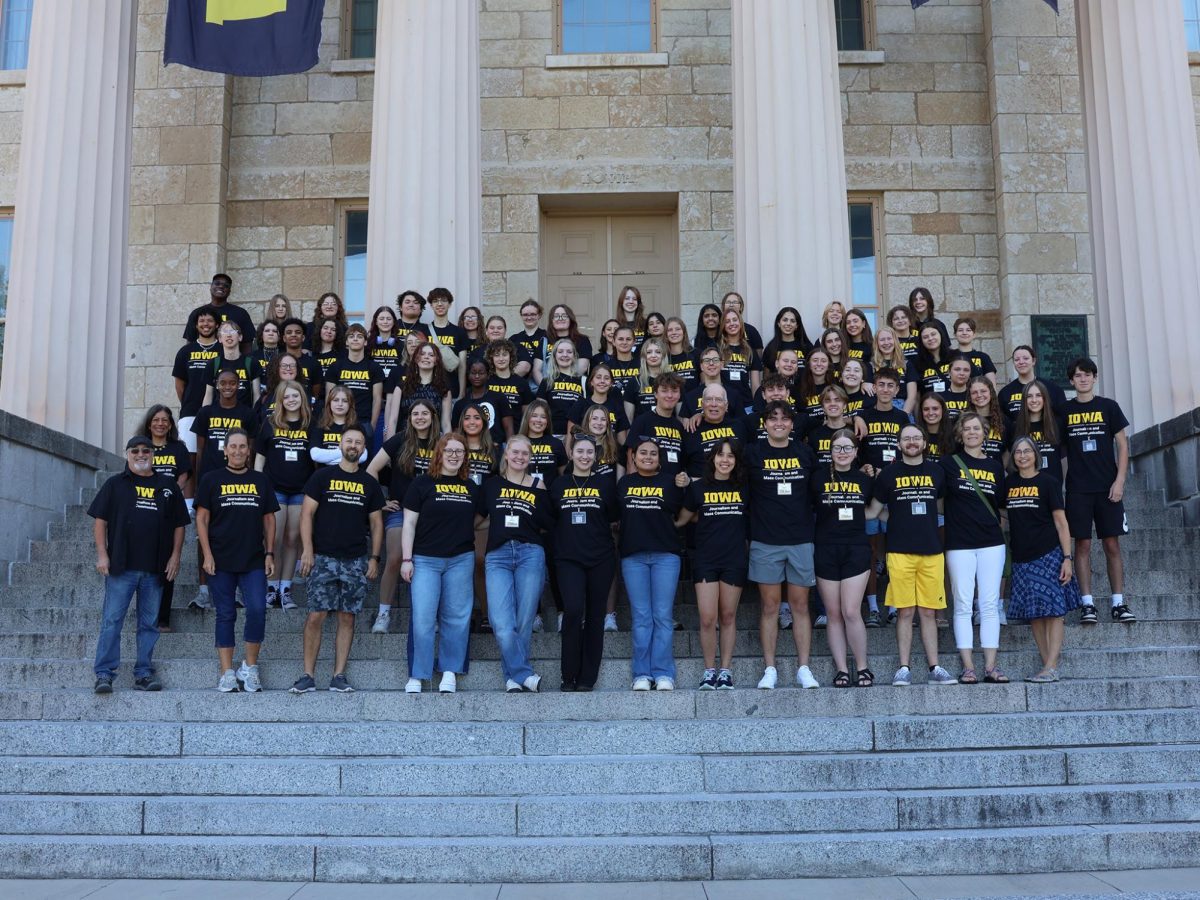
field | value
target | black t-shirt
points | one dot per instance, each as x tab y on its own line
480	464
862	351
970	524
385	353
910	494
213	423
403	329
753	337
775	347
327	438
881	446
515	391
401	480
584	510
236	503
225	313
981	363
623	372
684	365
1012	395
450	335
325	361
1052	454
722	527
1090	438
841	500
780	510
193	366
667	432
408	399
546	458
533	344
562	393
933	377
908	346
262	361
172	460
345	501
957	403
1031	503
480	353
360	378
515	512
741	400
639	396
142	555
699	443
495	407
245	369
142	515
446	508
820	440
616	412
739	363
649	506
857	402
288	464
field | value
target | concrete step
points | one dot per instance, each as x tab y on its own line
485	675
555	859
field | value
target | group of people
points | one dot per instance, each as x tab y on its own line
478	465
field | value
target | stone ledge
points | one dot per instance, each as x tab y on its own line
1162	435
351	66
1169	454
861	58
22	431
12	78
606	60
1193	58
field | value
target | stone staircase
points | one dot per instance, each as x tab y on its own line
1099	771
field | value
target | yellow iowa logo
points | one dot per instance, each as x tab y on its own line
218	11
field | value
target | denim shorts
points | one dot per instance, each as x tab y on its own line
289	499
393	520
876	526
779	563
337	585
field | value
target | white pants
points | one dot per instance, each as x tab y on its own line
984	567
186	435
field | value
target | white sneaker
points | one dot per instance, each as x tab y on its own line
610	622
820	621
663	683
804	678
538	625
285	598
1003	614
382	621
560	617
449	683
202	601
228	683
769	679
641	683
531	683
785	616
511	687
248	676
413	686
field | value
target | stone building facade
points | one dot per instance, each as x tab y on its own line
962	126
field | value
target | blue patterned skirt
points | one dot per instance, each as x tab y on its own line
1036	592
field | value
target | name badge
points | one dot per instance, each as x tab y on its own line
918	508
672	456
1045	462
221	444
889	455
1089	446
511	522
735	375
477	478
290	456
537	477
845	514
938	387
579	517
784	489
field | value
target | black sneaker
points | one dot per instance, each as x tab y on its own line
1087	616
724	680
1123	614
103	685
872	620
708	681
340	684
149	683
303	685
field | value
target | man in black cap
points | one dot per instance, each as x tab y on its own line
139	517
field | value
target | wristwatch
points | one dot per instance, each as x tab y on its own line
1068	556
376	559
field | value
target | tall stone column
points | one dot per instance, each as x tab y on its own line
1144	178
425	225
791	228
64	346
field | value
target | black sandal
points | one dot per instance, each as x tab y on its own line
841	679
866	678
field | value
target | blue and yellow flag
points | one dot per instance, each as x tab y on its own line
244	37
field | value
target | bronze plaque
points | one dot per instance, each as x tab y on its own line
1058	340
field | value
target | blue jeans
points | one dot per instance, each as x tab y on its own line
224	587
118	593
650	580
515	573
442	591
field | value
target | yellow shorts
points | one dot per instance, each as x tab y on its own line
915	580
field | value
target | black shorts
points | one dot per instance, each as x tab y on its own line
837	562
729	573
1084	509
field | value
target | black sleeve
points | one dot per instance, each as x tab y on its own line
101	503
189	331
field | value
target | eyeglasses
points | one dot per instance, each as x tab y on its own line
843	449
450	452
141	451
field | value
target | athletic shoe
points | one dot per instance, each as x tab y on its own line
285	598
610	622
103	685
708	682
769	679
248	676
560	618
724	680
382	620
940	676
228	683
975	620
272	596
448	684
872	620
821	621
663	683
538	625
511	687
892	614
303	685
785	616
413	686
902	678
202	601
1123	614
641	683
1003	613
1088	616
339	684
804	678
148	683
531	684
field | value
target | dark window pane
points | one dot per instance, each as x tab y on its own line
362	28
354	265
851	29
14	33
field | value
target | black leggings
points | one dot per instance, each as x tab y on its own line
164	606
585	599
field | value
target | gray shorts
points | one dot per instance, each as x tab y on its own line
779	563
337	585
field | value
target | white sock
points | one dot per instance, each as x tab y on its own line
191	504
204	589
873	603
1118	600
1087	600
385	607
